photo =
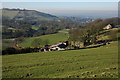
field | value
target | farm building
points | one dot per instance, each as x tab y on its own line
56	47
109	26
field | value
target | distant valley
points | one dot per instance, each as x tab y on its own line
29	23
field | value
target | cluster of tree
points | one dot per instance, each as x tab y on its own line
83	35
88	35
101	23
24	28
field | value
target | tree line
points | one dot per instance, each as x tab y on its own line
26	28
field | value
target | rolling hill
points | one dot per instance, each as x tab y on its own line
22	14
98	62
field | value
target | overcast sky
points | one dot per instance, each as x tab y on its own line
85	9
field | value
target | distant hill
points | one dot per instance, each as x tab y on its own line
23	14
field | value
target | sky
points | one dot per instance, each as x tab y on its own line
59	0
77	9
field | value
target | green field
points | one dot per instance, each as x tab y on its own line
101	62
53	39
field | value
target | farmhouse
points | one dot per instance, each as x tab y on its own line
56	47
109	26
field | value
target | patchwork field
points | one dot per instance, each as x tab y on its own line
101	62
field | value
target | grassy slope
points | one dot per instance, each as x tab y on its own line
53	39
105	34
99	62
94	62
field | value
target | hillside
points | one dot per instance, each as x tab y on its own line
61	36
53	39
19	14
98	62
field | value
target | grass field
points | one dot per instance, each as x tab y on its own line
53	39
101	62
